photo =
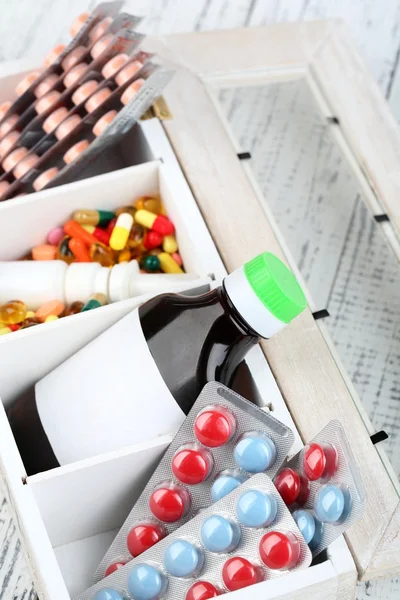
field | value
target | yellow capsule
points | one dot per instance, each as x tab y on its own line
124	255
88	228
169	244
51	318
30	314
121	231
4	330
168	265
13	312
93	217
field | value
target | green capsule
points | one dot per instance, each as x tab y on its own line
94	301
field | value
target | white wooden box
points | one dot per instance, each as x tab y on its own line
68	516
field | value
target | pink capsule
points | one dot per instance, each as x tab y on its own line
114	65
74	74
128	72
47	101
84	91
13	158
8	124
103	122
4	185
4	107
177	258
75	150
131	91
54	119
8	142
54	54
101	45
97	99
55	236
67	126
73	58
25	165
78	23
26	82
43	179
45	85
99	30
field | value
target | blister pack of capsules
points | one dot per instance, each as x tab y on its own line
245	538
223	440
60	122
322	487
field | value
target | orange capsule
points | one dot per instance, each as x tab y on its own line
74	230
79	250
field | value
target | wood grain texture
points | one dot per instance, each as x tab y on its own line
30	28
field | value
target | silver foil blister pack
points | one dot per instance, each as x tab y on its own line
198	551
178	477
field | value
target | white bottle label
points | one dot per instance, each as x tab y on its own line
108	395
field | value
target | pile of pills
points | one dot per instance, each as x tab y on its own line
224	440
243	539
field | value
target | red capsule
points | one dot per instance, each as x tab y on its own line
238	573
214	426
111	226
192	464
292	487
169	502
102	235
143	536
202	590
114	567
279	551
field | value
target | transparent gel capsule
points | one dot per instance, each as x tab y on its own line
101	254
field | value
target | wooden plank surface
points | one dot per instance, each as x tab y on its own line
30	28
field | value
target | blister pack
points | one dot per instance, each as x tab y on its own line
322	487
223	440
245	538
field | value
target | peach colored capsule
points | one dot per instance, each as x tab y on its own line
101	45
45	85
97	99
13	158
131	91
4	107
99	29
43	179
8	124
114	65
73	57
104	122
47	101
54	54
4	185
78	23
128	72
74	74
44	252
54	119
67	126
25	165
26	82
75	151
84	91
8	142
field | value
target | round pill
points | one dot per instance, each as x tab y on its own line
8	142
225	483
318	535
4	107
13	158
75	151
306	524
114	65
83	92
143	536
314	461
292	487
108	594
44	178
8	124
54	307
97	99
4	185
238	573
74	74
279	551
45	85
67	126
118	564
256	509
99	29
101	45
103	122
183	559
145	582
25	165
26	82
128	72
73	57
214	426
169	502
202	590
54	54
44	252
54	119
219	534
332	504
192	464
131	91
255	452
78	23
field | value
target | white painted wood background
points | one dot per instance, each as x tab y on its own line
318	195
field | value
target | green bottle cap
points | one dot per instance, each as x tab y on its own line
276	286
